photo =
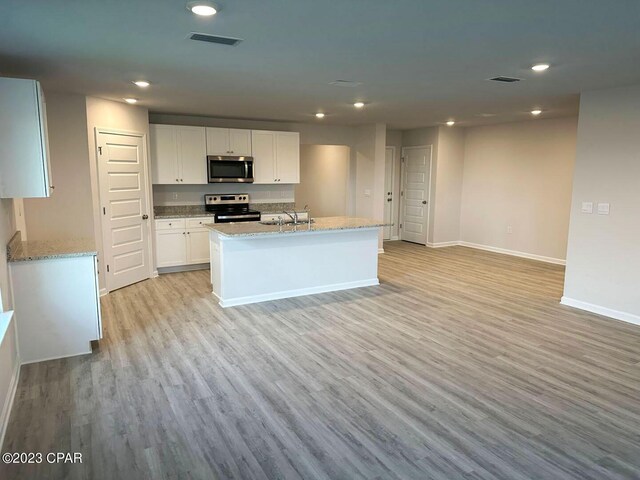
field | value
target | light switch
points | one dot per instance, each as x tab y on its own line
367	193
587	207
603	209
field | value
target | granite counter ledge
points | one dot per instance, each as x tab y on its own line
19	251
322	224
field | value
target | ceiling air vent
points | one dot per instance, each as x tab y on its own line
203	37
505	79
345	83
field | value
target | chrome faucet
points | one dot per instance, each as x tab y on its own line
293	217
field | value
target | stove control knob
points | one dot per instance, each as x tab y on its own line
215	198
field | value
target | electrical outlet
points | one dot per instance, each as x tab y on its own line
509	229
175	195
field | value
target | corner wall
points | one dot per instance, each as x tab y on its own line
603	258
67	213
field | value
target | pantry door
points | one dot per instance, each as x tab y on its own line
124	208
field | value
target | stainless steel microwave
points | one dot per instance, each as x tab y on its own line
229	169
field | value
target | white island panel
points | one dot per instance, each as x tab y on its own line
249	269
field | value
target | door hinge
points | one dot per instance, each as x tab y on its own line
100	150
104	210
402	159
107	268
400	225
402	193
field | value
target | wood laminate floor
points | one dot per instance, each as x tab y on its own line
461	364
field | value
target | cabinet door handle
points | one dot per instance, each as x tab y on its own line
52	187
184	233
177	179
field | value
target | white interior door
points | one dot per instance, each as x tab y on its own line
123	198
388	193
416	179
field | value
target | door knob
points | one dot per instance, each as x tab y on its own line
424	202
145	216
388	199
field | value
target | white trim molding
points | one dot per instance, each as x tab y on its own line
380	251
503	251
600	310
232	302
442	244
514	253
6	319
8	402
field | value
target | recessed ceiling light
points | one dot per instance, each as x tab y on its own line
358	104
451	123
202	8
540	67
536	112
142	83
131	100
319	115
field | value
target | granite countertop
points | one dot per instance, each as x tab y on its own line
19	251
256	229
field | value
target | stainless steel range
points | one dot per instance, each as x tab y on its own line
230	208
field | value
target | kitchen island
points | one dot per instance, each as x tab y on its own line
252	262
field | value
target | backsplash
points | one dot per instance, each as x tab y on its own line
167	195
198	210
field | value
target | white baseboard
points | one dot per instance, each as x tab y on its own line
380	251
183	268
103	292
514	253
607	312
232	302
442	244
154	274
8	402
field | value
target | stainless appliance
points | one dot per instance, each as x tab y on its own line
229	169
230	208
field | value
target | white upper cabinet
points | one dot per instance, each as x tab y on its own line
276	157
288	157
228	141
164	154
264	156
178	154
25	171
192	151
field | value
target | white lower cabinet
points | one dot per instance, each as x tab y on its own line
57	307
181	241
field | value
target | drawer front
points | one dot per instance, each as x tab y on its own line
171	224
199	222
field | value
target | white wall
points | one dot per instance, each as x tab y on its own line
324	179
448	171
519	175
118	116
68	212
603	258
9	361
193	194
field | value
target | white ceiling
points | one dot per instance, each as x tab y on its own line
421	62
